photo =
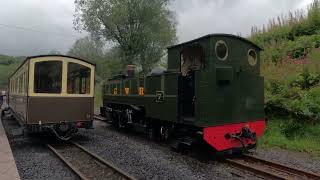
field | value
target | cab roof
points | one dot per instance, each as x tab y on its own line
216	35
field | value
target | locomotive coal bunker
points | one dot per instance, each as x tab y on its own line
212	90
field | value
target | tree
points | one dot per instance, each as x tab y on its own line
93	51
87	48
54	52
141	28
7	66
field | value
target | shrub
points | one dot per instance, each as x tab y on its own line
292	128
305	79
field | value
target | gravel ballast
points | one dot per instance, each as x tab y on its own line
136	155
298	160
33	159
146	159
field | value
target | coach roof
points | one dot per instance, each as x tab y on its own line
51	55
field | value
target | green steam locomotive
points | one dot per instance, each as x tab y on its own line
212	91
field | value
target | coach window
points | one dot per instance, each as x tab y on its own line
17	86
48	77
26	82
20	84
78	79
11	86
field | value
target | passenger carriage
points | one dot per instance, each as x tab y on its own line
53	93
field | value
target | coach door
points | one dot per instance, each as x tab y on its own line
191	61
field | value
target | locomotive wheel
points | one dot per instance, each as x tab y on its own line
115	122
118	120
164	133
121	120
175	145
151	133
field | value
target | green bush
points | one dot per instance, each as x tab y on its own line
292	129
305	79
302	104
7	66
285	133
308	105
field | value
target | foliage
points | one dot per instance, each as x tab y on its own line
6	60
54	52
287	133
107	62
293	89
293	101
141	28
292	35
7	66
291	66
305	79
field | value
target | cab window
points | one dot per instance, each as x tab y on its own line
191	59
48	77
221	50
78	79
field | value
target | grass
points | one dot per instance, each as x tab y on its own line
305	139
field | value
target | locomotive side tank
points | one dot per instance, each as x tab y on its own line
212	89
53	93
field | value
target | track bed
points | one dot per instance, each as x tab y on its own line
269	169
86	164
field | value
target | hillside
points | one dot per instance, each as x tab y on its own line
291	67
291	58
293	35
7	66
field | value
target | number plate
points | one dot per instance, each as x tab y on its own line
159	96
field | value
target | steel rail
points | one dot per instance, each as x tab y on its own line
64	160
285	171
269	169
285	168
126	175
95	157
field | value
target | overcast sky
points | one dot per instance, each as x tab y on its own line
31	27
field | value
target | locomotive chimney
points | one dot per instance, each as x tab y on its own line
130	70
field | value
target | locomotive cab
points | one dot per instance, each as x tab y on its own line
221	89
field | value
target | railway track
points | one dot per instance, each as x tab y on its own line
262	167
86	164
270	170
